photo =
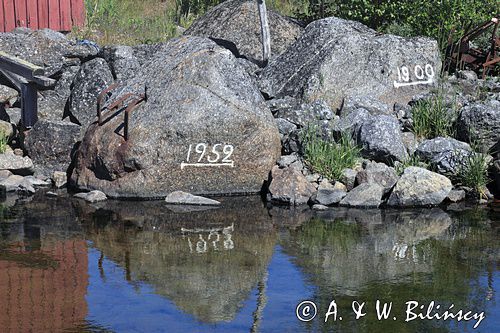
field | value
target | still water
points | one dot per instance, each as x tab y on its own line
68	266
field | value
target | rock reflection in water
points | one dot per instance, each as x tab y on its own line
206	262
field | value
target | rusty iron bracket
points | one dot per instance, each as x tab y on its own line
119	104
99	101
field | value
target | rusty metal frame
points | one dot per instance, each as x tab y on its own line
461	54
119	104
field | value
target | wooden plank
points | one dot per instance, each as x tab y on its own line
78	12
43	14
2	22
54	15
65	10
9	14
20	9
19	66
32	13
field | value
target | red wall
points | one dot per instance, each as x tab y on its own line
59	15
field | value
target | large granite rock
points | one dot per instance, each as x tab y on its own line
380	139
335	59
50	143
94	76
238	22
204	129
445	155
480	123
420	187
289	187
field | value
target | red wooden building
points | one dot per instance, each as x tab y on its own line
59	15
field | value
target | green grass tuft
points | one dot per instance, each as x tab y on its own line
431	118
329	158
474	173
4	142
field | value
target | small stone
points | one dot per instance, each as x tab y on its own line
378	173
184	198
18	152
36	181
16	164
7	94
4	174
368	195
59	178
467	75
339	186
12	183
456	195
286	160
93	196
349	178
319	207
325	184
51	194
6	129
313	178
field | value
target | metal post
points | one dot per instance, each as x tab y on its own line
264	28
29	104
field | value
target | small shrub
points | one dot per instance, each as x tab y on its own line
329	158
432	118
474	173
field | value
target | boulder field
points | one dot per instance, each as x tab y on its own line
212	119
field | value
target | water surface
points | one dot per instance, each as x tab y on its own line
67	266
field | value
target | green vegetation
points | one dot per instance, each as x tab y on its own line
329	158
432	118
132	22
413	160
4	140
474	173
432	18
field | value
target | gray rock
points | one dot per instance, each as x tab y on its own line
92	196
6	129
50	143
456	195
285	127
445	155
183	198
350	123
304	114
238	22
199	97
16	164
46	48
287	160
288	186
93	77
367	195
16	183
381	141
51	194
52	102
4	174
7	94
59	178
420	187
320	207
348	178
329	197
467	75
480	122
36	182
331	50
122	61
12	115
370	104
410	142
378	173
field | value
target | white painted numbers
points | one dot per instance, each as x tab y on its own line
203	155
408	76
